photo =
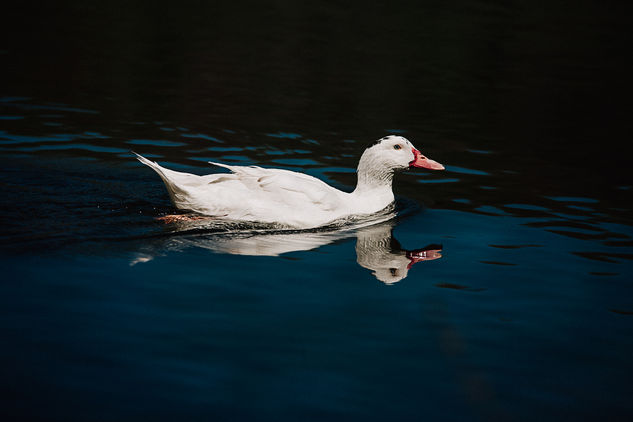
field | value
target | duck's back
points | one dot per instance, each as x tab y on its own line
256	194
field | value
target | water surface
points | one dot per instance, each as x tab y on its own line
499	289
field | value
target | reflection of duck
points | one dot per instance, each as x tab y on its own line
376	248
289	198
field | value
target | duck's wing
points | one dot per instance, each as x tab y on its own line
278	187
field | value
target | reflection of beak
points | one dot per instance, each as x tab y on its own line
428	253
141	258
420	160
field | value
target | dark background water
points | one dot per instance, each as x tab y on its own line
108	314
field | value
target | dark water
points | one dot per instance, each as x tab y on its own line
525	314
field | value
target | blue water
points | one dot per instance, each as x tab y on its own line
520	306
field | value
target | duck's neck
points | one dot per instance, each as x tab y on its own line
374	180
374	243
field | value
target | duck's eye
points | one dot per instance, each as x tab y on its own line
397	146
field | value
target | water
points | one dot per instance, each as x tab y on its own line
501	289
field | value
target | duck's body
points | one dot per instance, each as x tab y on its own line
289	198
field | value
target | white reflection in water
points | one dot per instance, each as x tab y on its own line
376	248
379	251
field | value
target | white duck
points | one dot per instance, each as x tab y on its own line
289	198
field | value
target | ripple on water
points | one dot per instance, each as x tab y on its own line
489	209
573	199
577	226
455	286
284	135
203	159
579	208
500	263
272	151
235	158
611	257
56	107
619	243
296	161
428	181
527	207
464	170
574	217
13	99
10	139
225	149
127	154
201	136
515	246
155	142
85	147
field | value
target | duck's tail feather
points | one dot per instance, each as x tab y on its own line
154	166
144	160
174	182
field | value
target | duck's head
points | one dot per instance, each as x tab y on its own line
379	251
397	153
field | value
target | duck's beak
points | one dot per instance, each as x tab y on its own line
429	253
423	162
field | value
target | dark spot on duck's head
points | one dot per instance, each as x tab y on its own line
377	141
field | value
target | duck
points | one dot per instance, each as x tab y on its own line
292	199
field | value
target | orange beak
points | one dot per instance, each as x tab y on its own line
423	162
